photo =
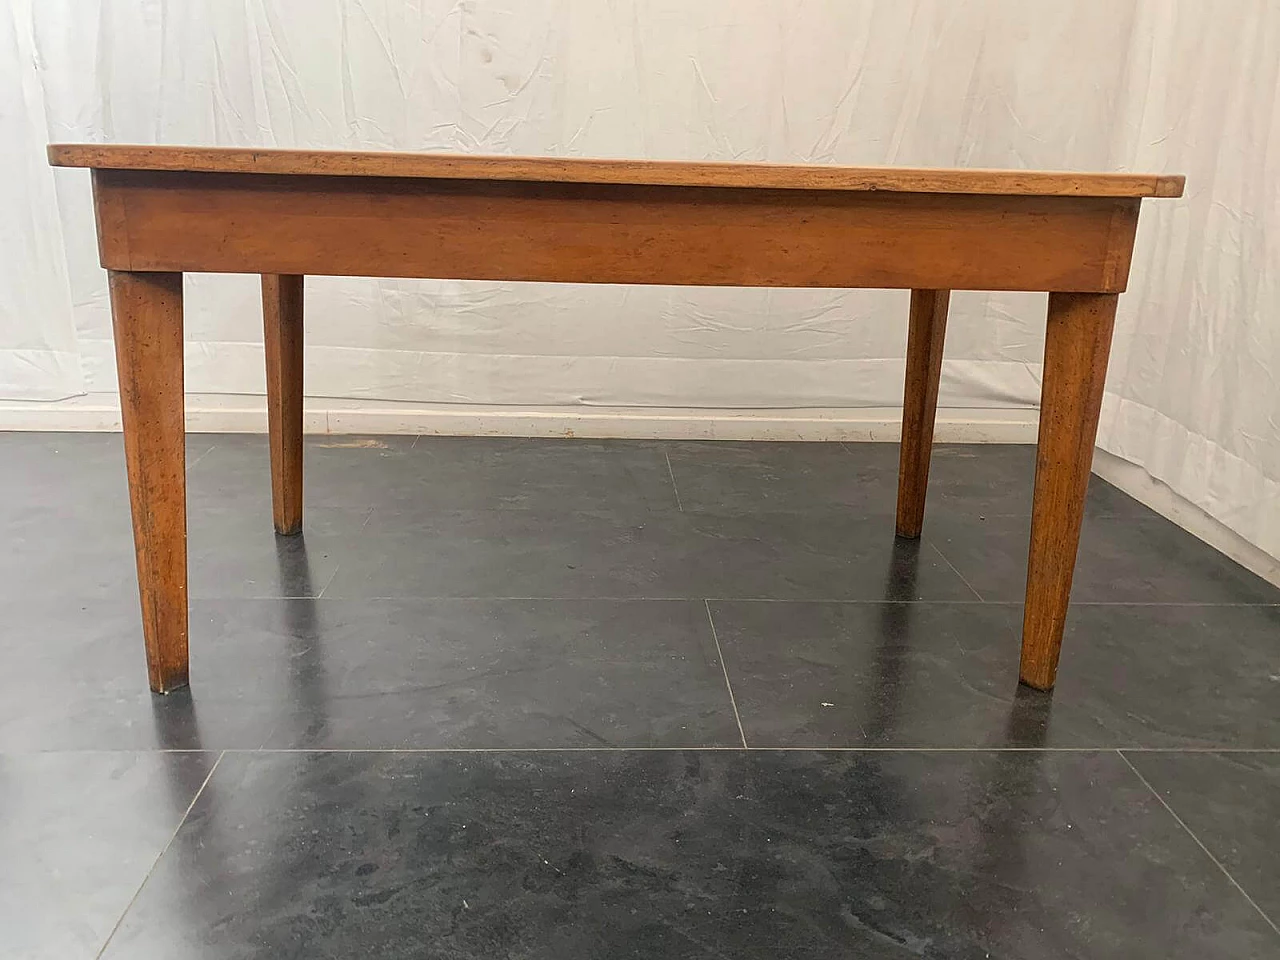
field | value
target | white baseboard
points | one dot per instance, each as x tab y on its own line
247	414
208	413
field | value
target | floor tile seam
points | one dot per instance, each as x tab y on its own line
192	465
724	667
563	598
1026	515
327	584
165	849
883	515
955	570
1208	604
1167	603
629	515
105	751
675	487
1082	748
1191	833
1180	604
708	748
802	748
222	597
1222	749
714	748
225	598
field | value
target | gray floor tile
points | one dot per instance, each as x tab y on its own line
1231	802
86	552
371	674
528	553
998	479
1180	675
965	480
757	476
946	675
1148	560
68	470
418	476
236	553
671	854
78	834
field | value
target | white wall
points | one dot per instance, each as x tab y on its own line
1149	85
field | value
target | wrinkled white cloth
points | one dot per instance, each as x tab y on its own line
1145	85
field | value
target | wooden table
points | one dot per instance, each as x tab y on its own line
164	211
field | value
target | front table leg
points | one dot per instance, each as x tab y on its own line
1077	345
146	311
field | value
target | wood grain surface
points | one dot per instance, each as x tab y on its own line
146	312
282	339
601	233
926	333
641	172
1077	345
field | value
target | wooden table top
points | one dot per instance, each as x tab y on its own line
635	172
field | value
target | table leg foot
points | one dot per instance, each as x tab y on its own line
925	337
282	329
146	311
1077	346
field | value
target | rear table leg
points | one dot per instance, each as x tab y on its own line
282	330
919	405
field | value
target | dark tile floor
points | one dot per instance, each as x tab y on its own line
494	703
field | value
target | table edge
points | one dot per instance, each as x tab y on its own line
458	166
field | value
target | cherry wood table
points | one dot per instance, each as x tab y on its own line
165	211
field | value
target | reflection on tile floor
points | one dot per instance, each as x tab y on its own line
684	854
493	703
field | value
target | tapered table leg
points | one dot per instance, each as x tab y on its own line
925	337
146	311
282	329
1077	345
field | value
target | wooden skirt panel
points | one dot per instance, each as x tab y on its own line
605	233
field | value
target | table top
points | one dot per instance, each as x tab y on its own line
457	166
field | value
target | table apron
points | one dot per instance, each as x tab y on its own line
609	233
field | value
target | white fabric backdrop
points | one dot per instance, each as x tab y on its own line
1150	85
